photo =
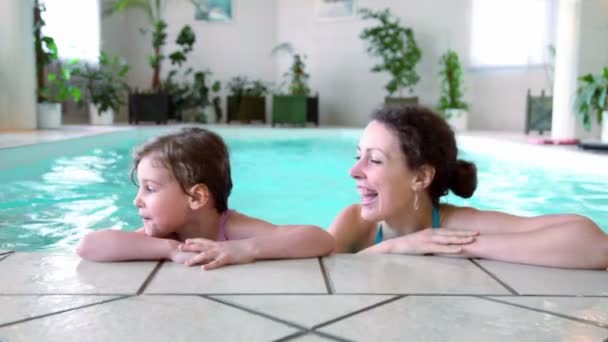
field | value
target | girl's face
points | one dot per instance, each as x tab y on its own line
383	179
163	205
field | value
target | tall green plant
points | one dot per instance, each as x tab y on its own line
153	9
55	86
296	77
592	97
396	48
451	83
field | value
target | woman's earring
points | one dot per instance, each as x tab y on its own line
416	200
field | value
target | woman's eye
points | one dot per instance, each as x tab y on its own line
358	157
375	161
149	188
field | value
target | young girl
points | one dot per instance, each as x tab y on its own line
184	183
406	161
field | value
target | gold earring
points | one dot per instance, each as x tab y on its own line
416	200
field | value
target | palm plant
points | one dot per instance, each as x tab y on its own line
297	77
592	97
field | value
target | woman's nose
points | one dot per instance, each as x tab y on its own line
356	172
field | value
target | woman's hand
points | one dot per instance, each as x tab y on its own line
427	241
213	254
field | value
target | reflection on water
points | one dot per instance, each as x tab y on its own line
291	180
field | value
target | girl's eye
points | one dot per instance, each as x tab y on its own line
357	157
149	188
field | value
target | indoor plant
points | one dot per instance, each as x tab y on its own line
105	87
246	101
296	106
451	103
397	50
592	100
53	88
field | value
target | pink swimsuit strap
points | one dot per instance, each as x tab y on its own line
222	233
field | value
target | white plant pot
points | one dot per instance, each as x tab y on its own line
49	115
103	118
457	119
604	137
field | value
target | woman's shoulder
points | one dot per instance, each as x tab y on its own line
452	216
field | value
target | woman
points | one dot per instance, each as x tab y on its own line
406	161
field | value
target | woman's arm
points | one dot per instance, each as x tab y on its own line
118	245
569	241
253	239
351	233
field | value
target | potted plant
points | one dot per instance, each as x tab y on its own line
397	50
592	101
246	101
105	87
451	103
53	88
296	106
155	104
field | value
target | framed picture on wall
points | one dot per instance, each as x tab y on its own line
219	11
335	9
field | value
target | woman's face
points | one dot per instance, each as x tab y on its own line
383	179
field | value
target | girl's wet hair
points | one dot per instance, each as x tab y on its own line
194	156
427	139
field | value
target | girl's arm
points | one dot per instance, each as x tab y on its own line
569	241
253	239
118	245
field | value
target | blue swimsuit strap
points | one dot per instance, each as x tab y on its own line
436	222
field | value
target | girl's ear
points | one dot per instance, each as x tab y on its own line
424	177
199	196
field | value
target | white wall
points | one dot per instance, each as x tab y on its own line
337	60
339	65
240	47
17	65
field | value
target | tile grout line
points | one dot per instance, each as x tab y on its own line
293	336
61	311
328	283
146	282
257	313
356	312
509	288
557	314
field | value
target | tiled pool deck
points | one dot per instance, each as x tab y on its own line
55	296
59	297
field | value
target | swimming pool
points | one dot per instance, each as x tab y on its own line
53	193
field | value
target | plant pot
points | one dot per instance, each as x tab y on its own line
401	101
295	109
149	107
246	108
49	115
103	118
457	119
604	137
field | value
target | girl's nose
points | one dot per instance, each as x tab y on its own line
137	201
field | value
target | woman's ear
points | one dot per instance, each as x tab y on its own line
199	196
424	177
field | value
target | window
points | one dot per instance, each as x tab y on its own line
510	32
74	24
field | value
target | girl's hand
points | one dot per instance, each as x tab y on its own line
427	241
176	255
213	254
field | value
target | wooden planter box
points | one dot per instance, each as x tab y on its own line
246	108
295	110
401	100
149	107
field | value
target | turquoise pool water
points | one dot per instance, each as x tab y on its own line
54	193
